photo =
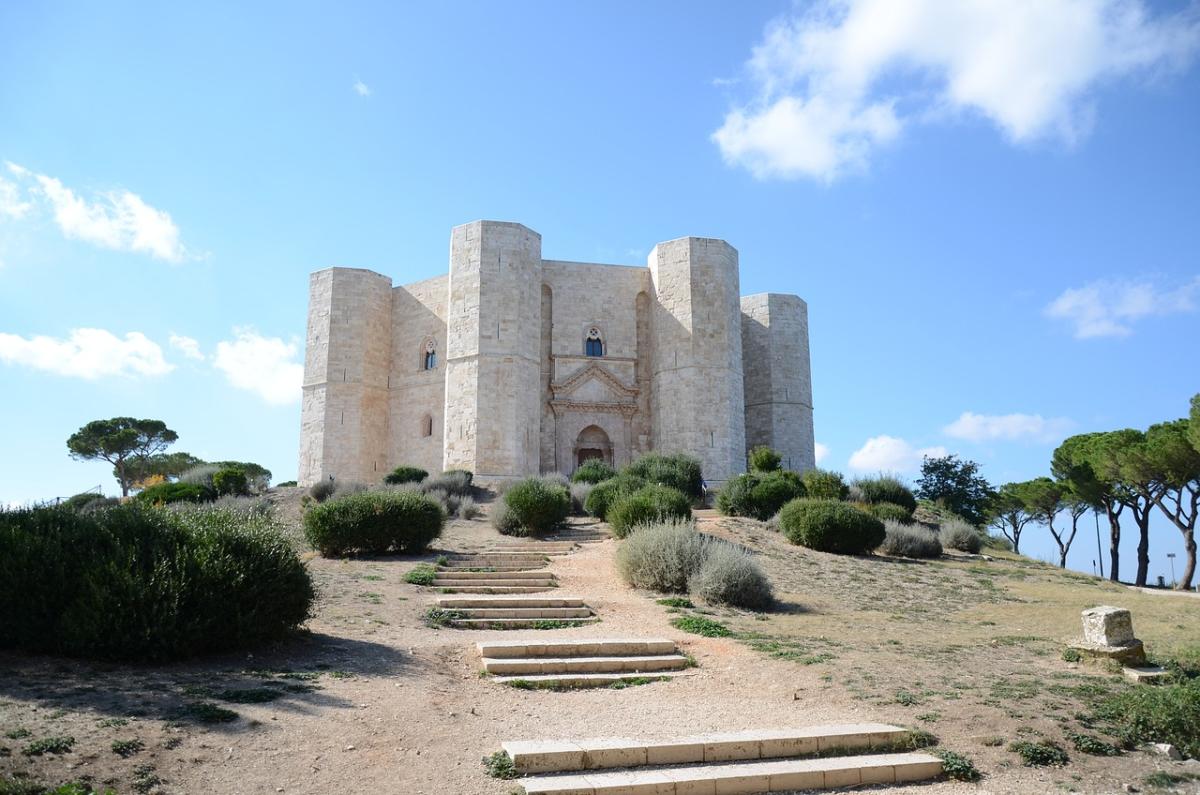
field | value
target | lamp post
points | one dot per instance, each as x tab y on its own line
1099	551
1171	557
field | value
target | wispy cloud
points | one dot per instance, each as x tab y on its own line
11	204
821	451
361	88
844	77
266	366
88	353
1109	308
117	219
974	427
891	454
187	346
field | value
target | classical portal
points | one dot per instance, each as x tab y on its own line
510	364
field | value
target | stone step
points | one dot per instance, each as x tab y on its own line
498	556
495	575
563	756
497	589
452	582
518	623
582	647
524	612
540	565
464	602
573	681
641	663
745	777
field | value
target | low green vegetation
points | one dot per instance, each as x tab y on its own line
207	712
49	745
141	583
956	766
679	471
127	748
885	489
675	601
1043	753
405	474
699	625
421	574
607	492
830	526
909	541
376	522
1163	714
1087	744
500	765
650	504
759	495
535	506
593	471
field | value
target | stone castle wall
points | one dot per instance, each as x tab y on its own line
513	393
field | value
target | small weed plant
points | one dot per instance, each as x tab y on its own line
500	765
699	625
1043	753
421	574
956	766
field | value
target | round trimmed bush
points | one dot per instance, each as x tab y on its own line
730	576
759	495
593	471
662	557
830	526
139	583
960	535
889	511
764	459
649	504
505	521
679	471
538	505
605	494
886	488
231	481
167	493
909	541
375	522
824	484
405	474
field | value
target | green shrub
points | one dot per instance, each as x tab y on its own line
455	482
824	484
729	575
167	493
759	495
886	488
322	490
1162	714
405	474
764	459
959	535
593	471
461	474
285	484
135	582
375	522
662	557
467	509
231	481
603	495
80	501
679	471
885	511
649	504
421	574
830	526
505	521
909	541
1044	753
538	505
957	766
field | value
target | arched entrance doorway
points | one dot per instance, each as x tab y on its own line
592	443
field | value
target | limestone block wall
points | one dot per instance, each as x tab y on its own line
417	396
778	385
697	396
344	412
493	345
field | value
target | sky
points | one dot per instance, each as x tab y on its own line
991	208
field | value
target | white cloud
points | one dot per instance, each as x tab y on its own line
361	88
10	200
822	451
265	366
187	346
846	76
89	353
1007	427
1108	308
890	454
118	219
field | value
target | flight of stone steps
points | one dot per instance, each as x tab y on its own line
495	573
580	534
516	612
581	662
818	757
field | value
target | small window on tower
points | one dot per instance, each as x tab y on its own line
430	356
427	425
594	344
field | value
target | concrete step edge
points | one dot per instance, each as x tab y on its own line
577	647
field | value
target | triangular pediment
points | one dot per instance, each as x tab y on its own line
594	384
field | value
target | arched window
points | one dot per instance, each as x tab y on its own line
427	425
594	344
430	360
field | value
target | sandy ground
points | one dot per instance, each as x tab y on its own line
371	700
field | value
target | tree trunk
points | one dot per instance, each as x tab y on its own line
1114	546
1143	523
124	480
1189	566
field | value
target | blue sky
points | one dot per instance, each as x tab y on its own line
991	211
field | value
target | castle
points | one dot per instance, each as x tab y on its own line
511	364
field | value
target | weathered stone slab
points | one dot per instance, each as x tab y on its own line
1108	626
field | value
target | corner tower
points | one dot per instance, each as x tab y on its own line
696	372
347	356
778	382
493	349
